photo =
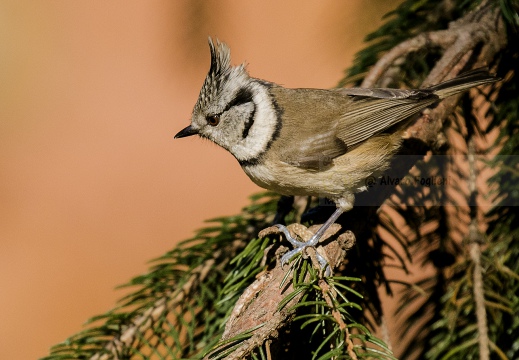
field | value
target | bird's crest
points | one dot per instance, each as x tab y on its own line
219	74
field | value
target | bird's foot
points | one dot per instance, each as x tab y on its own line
310	239
299	246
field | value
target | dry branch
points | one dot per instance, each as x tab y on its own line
258	305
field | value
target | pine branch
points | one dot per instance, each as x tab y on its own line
142	323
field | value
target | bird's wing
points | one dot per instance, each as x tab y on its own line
313	152
341	119
375	110
309	127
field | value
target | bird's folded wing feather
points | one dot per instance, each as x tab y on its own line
366	112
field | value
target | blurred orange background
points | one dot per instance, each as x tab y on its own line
92	185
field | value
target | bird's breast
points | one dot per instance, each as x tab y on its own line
286	179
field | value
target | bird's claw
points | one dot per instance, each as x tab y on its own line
299	246
285	259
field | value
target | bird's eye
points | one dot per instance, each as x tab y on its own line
213	120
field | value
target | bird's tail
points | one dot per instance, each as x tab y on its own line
463	82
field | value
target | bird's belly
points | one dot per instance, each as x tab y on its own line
285	179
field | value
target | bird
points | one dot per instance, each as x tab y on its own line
311	142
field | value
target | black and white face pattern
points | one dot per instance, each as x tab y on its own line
234	110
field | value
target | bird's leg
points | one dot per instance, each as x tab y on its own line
344	204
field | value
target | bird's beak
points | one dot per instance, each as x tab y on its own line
188	131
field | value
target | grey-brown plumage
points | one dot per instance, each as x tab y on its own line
309	141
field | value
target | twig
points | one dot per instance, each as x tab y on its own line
479	298
325	289
442	38
475	255
267	347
